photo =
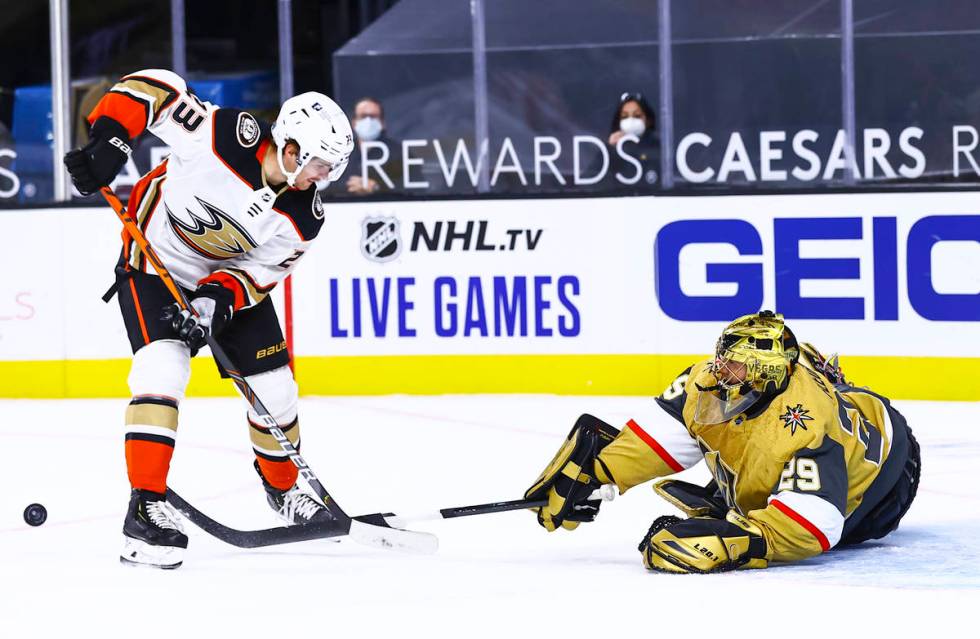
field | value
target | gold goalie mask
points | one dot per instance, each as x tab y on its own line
753	357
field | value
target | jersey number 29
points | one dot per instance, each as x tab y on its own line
801	472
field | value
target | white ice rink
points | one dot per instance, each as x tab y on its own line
494	576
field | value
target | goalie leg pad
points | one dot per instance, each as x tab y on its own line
569	478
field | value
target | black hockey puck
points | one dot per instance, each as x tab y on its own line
35	514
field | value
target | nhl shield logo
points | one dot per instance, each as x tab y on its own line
381	238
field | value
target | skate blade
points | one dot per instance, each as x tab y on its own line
138	564
141	554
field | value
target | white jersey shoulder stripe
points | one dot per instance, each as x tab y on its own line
816	514
669	434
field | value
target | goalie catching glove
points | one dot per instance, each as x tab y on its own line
703	544
569	480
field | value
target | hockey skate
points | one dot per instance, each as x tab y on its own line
294	506
154	536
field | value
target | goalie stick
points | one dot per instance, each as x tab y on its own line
378	533
292	534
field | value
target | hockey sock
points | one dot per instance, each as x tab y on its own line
281	474
276	467
151	431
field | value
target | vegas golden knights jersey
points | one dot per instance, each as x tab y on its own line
207	210
797	467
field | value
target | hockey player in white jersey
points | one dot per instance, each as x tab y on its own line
230	213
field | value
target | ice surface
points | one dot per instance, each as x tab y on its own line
494	574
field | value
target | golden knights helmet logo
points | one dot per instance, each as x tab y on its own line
214	235
381	238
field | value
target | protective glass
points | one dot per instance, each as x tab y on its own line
723	394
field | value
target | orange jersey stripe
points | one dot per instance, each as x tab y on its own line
139	311
260	152
172	92
251	280
135	200
126	110
139	189
231	283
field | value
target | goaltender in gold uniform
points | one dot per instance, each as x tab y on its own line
802	461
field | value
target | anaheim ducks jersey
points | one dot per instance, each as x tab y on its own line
207	210
796	467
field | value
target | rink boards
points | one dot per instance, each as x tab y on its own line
570	296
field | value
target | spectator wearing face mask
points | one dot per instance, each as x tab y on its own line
369	126
634	147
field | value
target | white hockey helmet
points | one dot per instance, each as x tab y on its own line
318	125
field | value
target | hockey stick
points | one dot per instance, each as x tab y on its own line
374	534
254	538
606	492
292	534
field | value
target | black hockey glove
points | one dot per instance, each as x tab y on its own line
213	306
98	162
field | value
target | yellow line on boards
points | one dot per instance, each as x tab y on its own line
94	378
925	378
